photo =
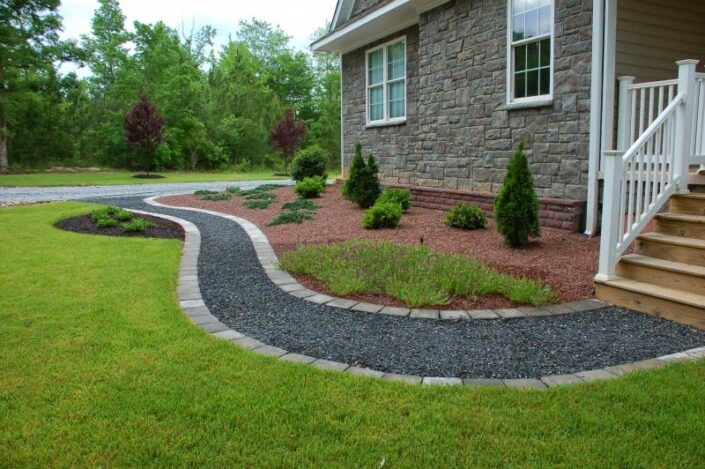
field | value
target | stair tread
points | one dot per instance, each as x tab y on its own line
670	239
690	195
678	267
681	217
649	289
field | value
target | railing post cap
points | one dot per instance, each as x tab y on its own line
626	78
688	62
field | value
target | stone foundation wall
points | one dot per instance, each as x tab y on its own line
459	133
554	213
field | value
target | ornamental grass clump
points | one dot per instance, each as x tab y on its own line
416	275
516	209
362	186
466	217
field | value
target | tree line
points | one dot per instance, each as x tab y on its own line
220	106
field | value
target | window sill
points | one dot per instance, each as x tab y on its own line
390	123
527	104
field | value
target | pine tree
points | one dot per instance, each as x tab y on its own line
516	209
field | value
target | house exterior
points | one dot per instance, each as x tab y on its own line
441	92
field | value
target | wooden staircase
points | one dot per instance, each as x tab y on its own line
665	276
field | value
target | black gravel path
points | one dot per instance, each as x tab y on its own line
238	292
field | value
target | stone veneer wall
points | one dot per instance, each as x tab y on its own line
362	5
459	135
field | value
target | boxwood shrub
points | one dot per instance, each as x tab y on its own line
382	215
466	216
309	162
310	187
399	196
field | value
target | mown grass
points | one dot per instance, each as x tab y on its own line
99	367
108	178
416	275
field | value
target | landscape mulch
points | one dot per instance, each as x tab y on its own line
84	224
566	261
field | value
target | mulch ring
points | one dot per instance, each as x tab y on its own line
164	229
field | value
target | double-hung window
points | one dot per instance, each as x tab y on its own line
386	83
530	50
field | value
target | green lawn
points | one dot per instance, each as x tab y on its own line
111	178
98	367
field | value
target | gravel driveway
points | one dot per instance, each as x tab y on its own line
15	195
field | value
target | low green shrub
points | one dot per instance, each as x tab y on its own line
382	215
399	196
292	216
201	193
310	187
105	222
466	216
234	190
301	204
123	215
309	162
217	197
261	196
137	225
257	204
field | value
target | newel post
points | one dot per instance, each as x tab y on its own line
624	116
684	116
611	216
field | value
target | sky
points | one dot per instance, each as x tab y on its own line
299	22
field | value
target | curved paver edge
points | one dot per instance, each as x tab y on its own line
287	283
191	301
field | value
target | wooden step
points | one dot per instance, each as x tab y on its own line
669	274
667	303
672	248
693	204
680	224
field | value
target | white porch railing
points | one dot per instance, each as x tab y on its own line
657	137
697	151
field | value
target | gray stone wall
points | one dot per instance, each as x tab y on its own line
459	133
362	5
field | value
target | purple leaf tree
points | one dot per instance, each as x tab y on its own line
287	136
144	132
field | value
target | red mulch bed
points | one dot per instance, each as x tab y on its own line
565	261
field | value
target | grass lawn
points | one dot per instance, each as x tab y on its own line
111	178
98	367
416	275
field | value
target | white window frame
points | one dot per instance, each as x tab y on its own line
386	120
511	44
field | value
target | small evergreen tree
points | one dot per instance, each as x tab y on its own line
362	186
516	209
144	132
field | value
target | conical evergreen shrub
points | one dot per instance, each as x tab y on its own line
362	186
516	209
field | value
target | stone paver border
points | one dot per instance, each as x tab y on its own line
287	283
191	302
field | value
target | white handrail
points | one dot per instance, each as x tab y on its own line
652	161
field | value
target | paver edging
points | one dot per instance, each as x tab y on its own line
196	310
288	284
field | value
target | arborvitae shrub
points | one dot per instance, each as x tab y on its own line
362	186
516	209
466	216
309	162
